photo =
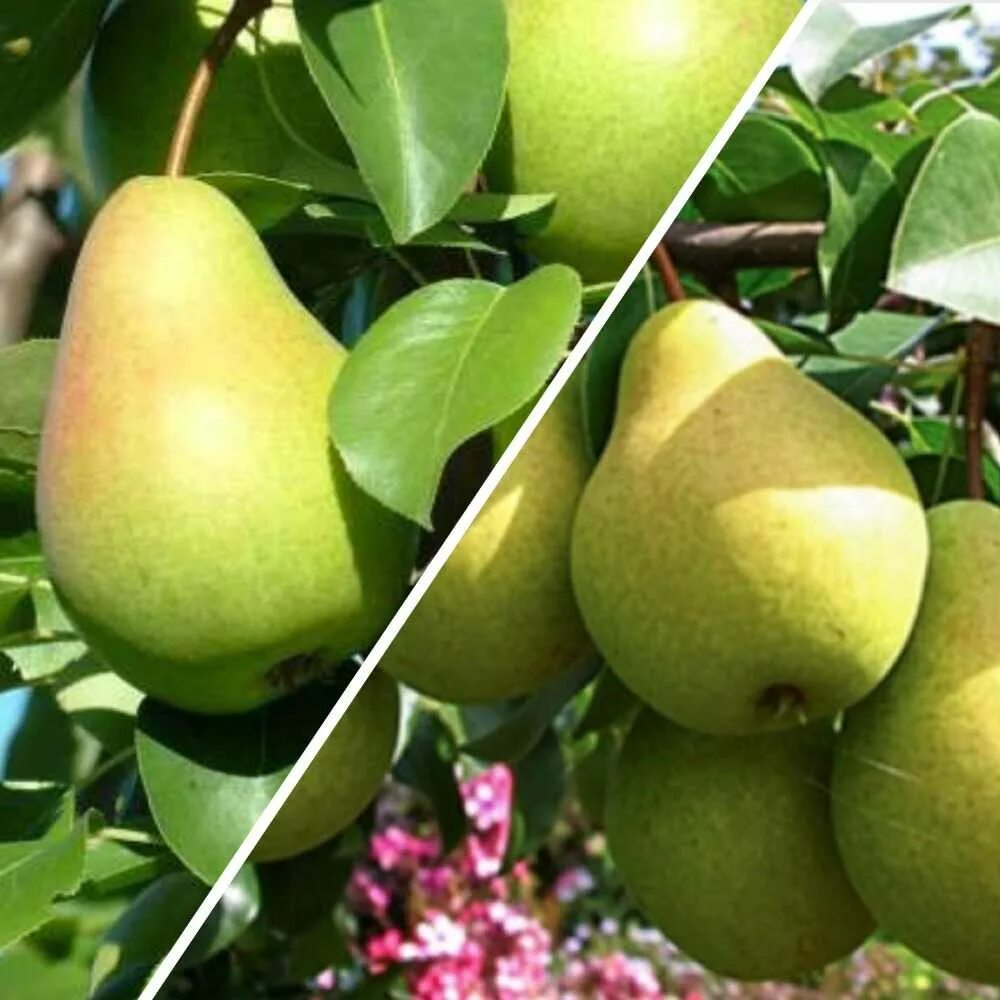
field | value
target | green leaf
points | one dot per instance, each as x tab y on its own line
43	747
144	933
41	854
539	789
947	247
930	441
876	334
767	171
226	767
839	37
417	87
864	208
25	376
483	208
428	765
42	44
603	363
521	725
266	201
111	867
610	704
440	366
100	702
39	659
795	342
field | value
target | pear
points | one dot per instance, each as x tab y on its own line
136	79
199	529
917	777
343	778
749	551
604	112
500	620
727	845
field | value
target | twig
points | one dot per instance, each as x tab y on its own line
668	274
241	14
979	348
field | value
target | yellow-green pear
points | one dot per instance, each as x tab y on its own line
749	551
917	776
263	114
198	527
611	105
343	777
499	620
727	844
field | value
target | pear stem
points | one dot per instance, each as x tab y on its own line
241	14
668	274
979	355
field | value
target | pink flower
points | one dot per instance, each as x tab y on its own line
395	847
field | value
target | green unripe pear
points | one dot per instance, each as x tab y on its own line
500	620
916	785
342	779
727	845
749	551
138	75
199	529
611	106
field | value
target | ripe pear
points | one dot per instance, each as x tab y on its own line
198	527
727	845
917	777
749	551
342	779
611	106
500	620
139	72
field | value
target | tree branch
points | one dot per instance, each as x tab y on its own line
241	14
668	274
980	346
716	247
29	239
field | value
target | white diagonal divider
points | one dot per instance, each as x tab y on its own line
778	57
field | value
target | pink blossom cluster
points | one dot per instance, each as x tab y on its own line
453	923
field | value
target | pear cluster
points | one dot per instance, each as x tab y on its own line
814	756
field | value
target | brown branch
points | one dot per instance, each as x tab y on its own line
30	239
715	247
241	14
668	274
979	357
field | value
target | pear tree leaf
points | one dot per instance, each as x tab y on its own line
441	365
428	765
865	204
112	867
25	376
518	728
839	37
486	207
42	44
100	702
539	790
610	703
947	246
398	76
228	768
768	170
41	854
43	747
876	334
144	933
931	441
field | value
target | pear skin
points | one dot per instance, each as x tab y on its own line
727	845
749	552
198	527
263	114
343	778
611	105
500	620
917	777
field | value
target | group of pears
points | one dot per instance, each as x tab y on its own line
818	660
199	528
